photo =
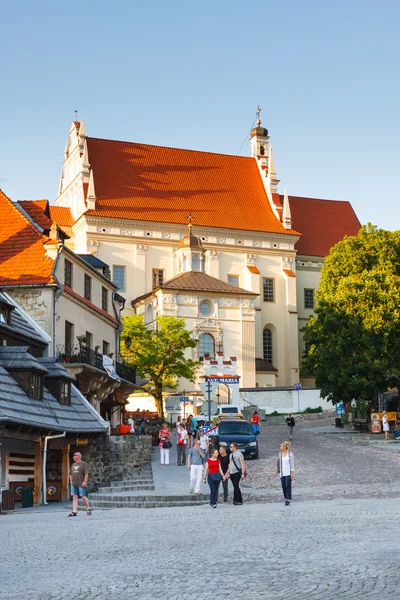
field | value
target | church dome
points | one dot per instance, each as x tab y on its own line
191	241
260	131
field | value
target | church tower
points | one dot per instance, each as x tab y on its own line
259	141
190	256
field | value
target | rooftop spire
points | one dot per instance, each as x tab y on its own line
258	111
82	129
190	218
287	216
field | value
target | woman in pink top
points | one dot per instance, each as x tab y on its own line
164	435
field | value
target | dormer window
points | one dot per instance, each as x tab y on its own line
5	313
65	392
35	389
195	262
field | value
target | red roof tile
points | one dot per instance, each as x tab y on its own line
289	272
37	210
253	269
322	223
61	215
23	259
158	184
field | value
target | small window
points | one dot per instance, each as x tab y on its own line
68	273
35	387
69	338
158	278
65	392
88	287
119	277
89	339
233	279
106	348
267	345
206	346
104	298
195	262
308	298
268	289
205	308
3	340
5	314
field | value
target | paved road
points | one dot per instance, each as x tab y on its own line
317	550
327	466
337	540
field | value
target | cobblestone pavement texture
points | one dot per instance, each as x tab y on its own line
337	540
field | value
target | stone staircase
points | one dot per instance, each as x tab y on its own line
138	491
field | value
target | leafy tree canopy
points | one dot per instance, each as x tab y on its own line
158	353
353	340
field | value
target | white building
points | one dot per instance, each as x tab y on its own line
244	283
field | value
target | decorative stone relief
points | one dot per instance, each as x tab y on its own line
274	245
240	243
206	323
169	298
215	255
229	302
247	315
251	259
104	229
246	303
186	299
127	231
92	246
165	235
221	240
309	264
141	248
257	244
147	234
287	262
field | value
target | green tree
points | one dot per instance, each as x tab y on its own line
158	354
353	340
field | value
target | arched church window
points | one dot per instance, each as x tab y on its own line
267	345
195	262
206	346
262	150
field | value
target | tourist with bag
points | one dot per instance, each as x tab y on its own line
236	472
189	429
164	436
285	470
213	474
181	445
195	466
224	460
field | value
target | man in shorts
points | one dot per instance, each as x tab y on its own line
78	479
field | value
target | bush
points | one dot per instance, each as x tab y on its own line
310	411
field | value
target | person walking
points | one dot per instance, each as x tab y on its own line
131	424
224	460
255	422
195	429
213	475
290	423
285	470
236	472
195	466
164	436
189	429
78	478
182	437
385	425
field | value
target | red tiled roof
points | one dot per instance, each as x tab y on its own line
37	209
99	310
289	272
23	259
61	215
158	184
253	269
323	223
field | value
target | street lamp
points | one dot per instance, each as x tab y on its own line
128	342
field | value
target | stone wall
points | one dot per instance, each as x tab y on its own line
37	303
110	458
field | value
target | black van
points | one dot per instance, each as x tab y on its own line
240	432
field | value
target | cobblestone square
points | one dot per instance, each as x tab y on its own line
324	546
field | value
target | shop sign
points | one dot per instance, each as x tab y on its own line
82	442
377	416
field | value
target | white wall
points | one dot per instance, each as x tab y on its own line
284	401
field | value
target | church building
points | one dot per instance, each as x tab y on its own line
206	237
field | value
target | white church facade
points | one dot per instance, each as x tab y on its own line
243	277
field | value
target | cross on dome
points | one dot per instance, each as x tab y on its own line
190	218
258	111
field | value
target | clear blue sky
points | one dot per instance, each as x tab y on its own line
190	75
